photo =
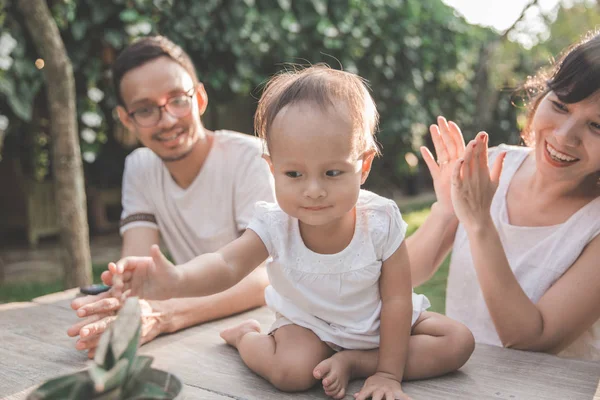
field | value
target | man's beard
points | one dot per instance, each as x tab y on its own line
186	152
180	156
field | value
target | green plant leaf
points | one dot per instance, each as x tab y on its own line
78	28
103	356
126	330
21	107
75	386
139	365
129	15
107	380
114	38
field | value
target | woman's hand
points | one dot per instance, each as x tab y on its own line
450	147
474	186
381	386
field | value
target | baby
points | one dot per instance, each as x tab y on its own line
337	262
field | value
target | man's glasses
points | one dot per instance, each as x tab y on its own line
177	106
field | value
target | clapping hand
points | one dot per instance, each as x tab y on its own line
449	147
474	185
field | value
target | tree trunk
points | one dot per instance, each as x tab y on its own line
486	96
66	156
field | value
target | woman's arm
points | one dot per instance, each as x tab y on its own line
430	244
564	312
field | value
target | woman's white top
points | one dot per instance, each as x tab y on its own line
538	257
334	295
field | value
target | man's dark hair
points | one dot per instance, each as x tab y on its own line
144	50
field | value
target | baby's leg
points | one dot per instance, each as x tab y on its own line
437	345
286	358
336	371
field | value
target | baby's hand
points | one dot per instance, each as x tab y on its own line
381	386
151	278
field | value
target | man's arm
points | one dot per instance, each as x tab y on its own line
137	241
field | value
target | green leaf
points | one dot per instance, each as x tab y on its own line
21	107
78	29
139	365
107	380
320	7
114	38
7	87
126	330
104	356
75	386
285	4
129	15
101	11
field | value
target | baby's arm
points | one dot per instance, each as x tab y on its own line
156	278
396	315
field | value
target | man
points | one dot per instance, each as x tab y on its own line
194	188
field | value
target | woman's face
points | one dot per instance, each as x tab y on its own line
567	138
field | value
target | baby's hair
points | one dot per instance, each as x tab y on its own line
326	87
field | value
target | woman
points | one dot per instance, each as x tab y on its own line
525	231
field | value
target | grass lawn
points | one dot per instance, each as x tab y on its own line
27	291
434	289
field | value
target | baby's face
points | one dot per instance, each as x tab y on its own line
317	170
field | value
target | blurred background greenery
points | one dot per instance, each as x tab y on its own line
420	57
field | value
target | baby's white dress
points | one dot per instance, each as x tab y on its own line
334	295
538	256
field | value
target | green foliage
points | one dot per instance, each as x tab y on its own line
419	57
117	373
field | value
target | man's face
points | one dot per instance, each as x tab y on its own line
154	84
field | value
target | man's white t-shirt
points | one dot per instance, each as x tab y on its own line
214	210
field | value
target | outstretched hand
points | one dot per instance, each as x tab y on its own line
152	278
450	147
474	185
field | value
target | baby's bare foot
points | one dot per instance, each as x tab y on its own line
335	374
233	335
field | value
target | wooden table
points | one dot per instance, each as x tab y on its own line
34	347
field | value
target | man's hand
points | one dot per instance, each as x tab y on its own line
100	311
